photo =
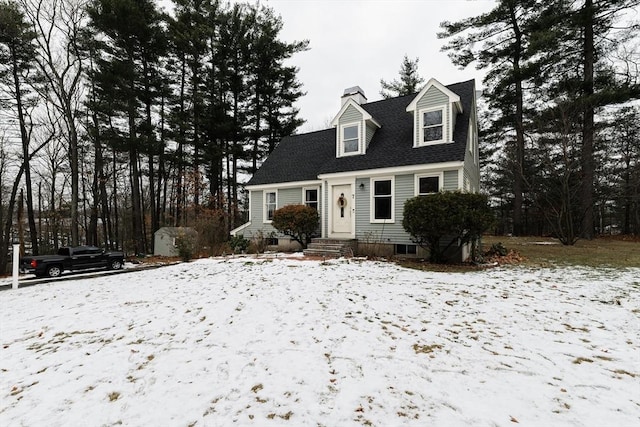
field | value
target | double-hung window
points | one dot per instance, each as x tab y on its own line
432	126
311	197
350	138
270	203
382	200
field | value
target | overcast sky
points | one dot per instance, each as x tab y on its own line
358	42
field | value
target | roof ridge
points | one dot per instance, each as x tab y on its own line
293	135
377	102
416	93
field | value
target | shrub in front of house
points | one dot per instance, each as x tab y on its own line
446	220
299	222
239	244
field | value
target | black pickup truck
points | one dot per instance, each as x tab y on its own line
71	258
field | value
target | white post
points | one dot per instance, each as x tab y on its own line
16	262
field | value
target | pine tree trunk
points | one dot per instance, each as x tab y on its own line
195	83
92	232
518	161
73	165
180	150
116	219
587	159
136	211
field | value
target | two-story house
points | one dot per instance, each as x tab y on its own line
359	173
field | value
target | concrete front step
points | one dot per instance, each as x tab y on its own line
334	241
327	253
331	248
325	246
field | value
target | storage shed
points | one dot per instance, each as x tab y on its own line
164	240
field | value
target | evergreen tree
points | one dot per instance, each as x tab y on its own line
410	81
129	36
498	41
276	86
624	156
573	43
189	31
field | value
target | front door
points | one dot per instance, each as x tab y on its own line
342	210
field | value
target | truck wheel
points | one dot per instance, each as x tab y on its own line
54	271
115	264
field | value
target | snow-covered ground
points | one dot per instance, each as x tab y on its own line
289	342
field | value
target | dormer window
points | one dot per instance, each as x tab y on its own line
350	138
432	126
434	112
354	125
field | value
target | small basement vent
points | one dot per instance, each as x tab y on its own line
406	250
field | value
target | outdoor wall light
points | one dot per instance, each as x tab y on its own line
362	185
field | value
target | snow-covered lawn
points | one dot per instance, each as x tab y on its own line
289	342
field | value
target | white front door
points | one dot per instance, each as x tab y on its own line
342	209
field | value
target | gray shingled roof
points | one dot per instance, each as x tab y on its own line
303	157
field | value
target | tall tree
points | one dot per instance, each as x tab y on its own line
625	153
410	81
275	85
573	43
497	41
128	33
17	51
58	24
190	33
235	36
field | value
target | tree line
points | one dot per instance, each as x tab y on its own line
117	118
560	135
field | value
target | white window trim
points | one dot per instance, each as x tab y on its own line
304	195
473	142
341	152
372	197
265	219
416	186
421	142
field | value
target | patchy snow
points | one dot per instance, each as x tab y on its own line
290	342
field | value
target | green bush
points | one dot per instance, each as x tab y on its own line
239	244
439	221
300	222
186	244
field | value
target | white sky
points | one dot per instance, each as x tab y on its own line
358	42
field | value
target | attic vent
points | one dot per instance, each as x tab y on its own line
356	93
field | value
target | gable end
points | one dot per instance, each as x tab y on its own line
434	112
